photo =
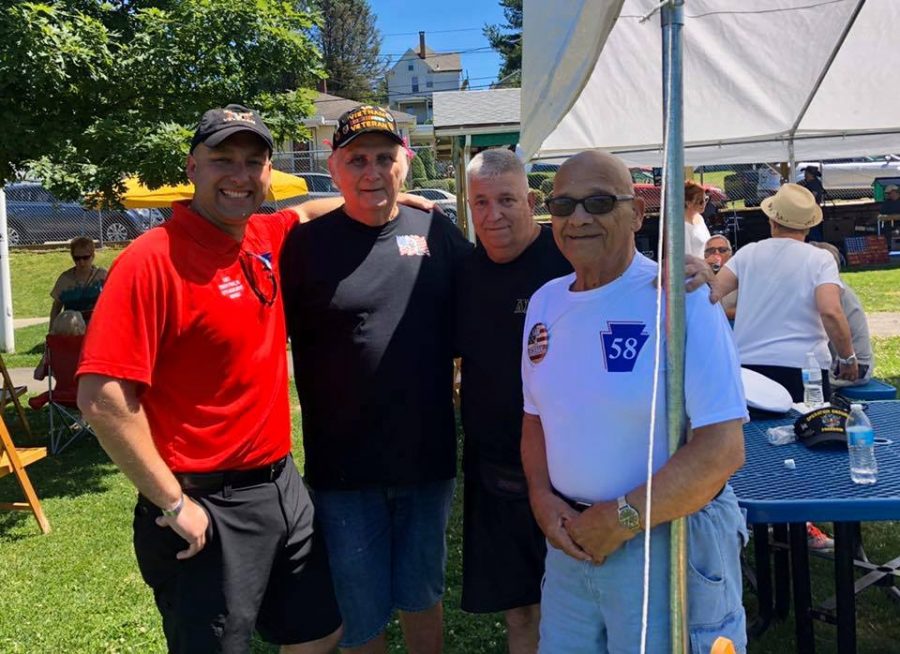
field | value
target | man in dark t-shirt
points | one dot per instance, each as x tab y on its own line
368	292
503	547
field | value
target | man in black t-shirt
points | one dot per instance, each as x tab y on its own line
503	547
368	292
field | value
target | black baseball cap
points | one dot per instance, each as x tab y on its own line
364	119
218	124
823	426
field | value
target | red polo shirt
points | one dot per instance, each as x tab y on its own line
179	316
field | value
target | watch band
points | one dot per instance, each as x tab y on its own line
849	361
175	510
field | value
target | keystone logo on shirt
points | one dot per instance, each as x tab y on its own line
413	245
622	344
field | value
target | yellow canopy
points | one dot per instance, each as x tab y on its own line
136	196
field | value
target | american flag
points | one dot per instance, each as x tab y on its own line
538	341
413	245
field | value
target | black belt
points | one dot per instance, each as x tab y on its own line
575	504
583	506
213	481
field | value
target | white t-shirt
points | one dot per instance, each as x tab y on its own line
587	371
778	321
695	238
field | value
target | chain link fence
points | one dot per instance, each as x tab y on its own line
36	217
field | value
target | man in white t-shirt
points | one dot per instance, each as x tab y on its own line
790	297
588	367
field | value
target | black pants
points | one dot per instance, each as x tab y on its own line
792	380
261	569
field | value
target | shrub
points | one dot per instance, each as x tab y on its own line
547	187
536	179
442	184
427	157
417	169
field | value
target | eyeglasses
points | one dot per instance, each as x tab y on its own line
593	204
261	277
717	250
82	257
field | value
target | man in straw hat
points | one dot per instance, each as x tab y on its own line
790	297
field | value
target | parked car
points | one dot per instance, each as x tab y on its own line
852	178
320	185
644	187
444	199
34	215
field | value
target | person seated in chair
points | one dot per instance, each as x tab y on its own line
859	329
78	288
68	323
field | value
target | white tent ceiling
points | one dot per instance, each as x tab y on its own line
823	74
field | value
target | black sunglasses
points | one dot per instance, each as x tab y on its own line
717	250
81	257
593	204
261	277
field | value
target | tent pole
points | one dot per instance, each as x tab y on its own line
672	22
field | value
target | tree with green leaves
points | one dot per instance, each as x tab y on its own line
92	92
507	40
351	48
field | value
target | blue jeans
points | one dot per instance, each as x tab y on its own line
589	609
387	550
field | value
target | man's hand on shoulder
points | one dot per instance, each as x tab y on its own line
552	515
418	202
697	273
191	524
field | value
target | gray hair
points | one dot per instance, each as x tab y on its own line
493	162
721	236
828	247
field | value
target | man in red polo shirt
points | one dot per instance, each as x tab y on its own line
184	378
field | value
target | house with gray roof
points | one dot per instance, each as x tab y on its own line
417	75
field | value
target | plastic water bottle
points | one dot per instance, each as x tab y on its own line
812	382
861	445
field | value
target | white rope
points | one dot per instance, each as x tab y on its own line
645	605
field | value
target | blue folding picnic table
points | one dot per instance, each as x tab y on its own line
817	489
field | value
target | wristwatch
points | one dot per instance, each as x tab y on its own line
628	516
849	361
175	510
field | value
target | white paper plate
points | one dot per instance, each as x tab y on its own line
763	393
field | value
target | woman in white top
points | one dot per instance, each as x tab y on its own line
696	233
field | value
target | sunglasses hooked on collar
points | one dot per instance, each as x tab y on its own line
596	205
261	277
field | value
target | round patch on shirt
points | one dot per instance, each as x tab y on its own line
538	342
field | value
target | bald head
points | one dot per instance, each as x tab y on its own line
602	168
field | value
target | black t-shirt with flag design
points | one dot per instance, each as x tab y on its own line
370	315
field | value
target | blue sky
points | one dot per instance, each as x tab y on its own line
399	22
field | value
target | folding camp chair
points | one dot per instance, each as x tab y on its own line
10	393
13	460
66	423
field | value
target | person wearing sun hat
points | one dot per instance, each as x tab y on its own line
790	297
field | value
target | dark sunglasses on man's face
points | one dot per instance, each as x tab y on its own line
82	257
593	204
717	250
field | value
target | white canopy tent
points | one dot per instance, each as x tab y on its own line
768	80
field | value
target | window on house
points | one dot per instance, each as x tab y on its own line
410	67
429	84
415	84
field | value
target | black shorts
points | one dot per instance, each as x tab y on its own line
261	569
503	547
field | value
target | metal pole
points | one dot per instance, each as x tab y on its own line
672	21
463	197
7	334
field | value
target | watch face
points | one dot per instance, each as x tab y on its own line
629	518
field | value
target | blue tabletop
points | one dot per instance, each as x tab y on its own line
819	489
